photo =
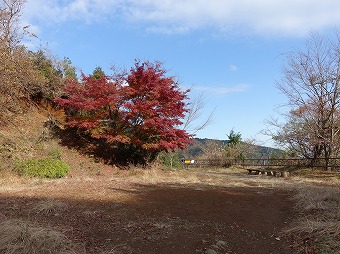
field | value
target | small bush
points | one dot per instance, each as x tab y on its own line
45	168
55	154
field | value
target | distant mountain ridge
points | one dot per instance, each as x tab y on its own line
199	145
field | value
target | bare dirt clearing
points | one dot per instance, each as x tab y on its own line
157	212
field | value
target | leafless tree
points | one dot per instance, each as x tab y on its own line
193	122
311	81
11	32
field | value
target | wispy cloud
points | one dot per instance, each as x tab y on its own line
222	90
233	68
279	17
61	11
276	17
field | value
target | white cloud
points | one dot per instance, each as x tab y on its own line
60	11
279	17
222	90
264	17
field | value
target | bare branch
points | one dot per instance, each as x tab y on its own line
194	113
311	82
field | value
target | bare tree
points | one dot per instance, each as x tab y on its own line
13	65
311	81
11	32
194	113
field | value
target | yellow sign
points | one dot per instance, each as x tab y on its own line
189	161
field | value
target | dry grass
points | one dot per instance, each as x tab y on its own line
11	182
219	177
19	237
318	198
317	177
315	234
319	226
49	206
154	176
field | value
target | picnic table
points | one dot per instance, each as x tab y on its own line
268	172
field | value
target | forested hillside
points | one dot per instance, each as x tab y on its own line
213	147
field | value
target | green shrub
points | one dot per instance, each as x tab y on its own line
45	167
55	154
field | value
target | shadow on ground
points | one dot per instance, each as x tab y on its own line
160	219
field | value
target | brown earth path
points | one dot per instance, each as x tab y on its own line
114	217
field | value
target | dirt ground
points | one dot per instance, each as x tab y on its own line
111	215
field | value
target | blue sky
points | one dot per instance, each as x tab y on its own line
231	50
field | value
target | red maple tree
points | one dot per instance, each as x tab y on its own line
141	111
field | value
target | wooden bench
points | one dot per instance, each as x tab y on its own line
267	172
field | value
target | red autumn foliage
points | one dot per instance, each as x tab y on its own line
141	109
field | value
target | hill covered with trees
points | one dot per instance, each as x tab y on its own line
204	148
